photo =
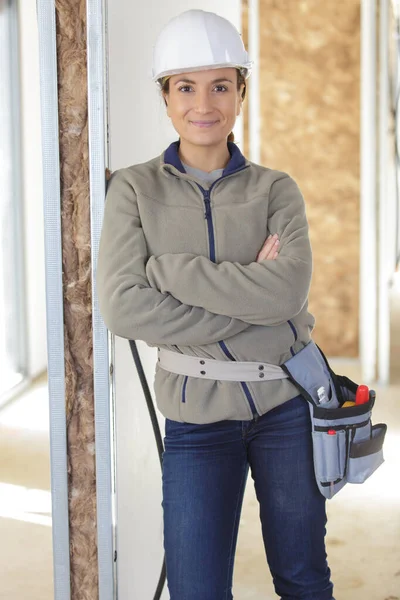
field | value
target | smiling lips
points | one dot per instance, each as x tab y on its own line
203	123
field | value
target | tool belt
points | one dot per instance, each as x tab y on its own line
347	448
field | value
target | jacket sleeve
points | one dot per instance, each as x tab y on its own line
261	293
130	307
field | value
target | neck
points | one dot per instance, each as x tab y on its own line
205	158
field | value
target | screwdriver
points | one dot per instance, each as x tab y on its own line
362	397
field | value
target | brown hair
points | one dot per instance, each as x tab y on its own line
164	84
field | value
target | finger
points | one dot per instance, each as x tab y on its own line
269	257
269	249
268	244
260	258
270	241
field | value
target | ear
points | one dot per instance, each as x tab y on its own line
240	103
166	104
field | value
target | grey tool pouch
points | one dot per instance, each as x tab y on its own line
353	449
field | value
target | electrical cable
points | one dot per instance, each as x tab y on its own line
159	442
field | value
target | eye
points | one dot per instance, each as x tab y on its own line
223	87
184	87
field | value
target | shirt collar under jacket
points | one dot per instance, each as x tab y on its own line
237	161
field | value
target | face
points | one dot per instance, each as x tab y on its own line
203	105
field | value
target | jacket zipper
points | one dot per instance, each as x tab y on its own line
293	328
211	240
184	388
185	379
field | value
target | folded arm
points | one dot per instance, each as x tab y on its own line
130	307
262	293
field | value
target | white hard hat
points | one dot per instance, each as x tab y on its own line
197	40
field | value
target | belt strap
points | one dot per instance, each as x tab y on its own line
210	368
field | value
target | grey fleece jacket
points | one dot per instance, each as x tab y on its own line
177	268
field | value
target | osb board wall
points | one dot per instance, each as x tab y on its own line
72	90
310	61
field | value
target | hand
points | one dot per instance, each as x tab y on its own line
269	251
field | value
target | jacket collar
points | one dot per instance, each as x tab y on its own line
236	162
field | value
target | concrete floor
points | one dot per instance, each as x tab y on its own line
26	569
363	540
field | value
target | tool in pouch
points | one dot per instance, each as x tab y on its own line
347	448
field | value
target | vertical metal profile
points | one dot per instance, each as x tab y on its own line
368	196
20	358
54	296
97	120
254	96
385	200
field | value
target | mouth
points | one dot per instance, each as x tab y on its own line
204	124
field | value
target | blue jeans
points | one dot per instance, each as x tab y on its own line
205	470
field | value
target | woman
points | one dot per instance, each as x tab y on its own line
206	255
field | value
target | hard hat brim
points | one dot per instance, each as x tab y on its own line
247	67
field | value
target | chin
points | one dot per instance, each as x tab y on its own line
206	139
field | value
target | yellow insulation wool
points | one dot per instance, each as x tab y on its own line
74	168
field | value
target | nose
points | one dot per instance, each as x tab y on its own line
203	102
